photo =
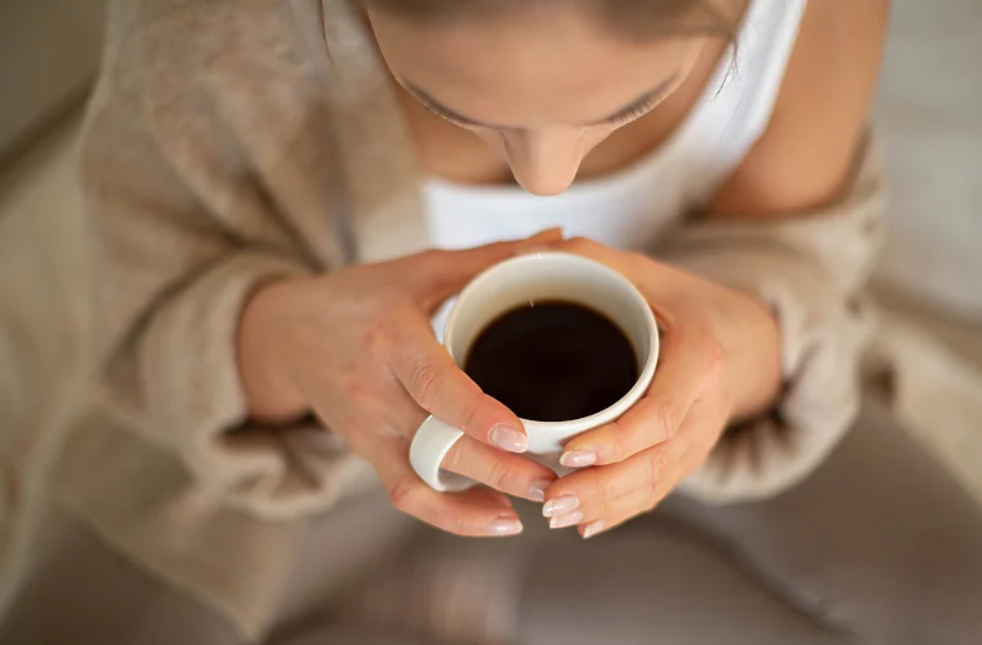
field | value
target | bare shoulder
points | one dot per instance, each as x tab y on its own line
808	152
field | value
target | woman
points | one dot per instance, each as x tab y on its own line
264	179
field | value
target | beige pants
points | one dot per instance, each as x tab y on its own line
879	547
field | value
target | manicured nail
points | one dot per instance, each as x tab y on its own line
578	458
510	439
563	521
560	505
592	529
505	526
538	491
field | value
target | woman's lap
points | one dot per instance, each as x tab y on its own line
878	546
881	540
655	586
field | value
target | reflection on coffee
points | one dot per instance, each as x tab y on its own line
553	361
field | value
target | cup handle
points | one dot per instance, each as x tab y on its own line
432	442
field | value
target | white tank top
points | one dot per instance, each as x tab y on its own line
631	208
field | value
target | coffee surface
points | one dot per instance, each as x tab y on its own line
553	361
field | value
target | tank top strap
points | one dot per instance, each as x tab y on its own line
736	107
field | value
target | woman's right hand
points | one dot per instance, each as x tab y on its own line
356	347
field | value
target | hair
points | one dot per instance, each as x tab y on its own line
635	19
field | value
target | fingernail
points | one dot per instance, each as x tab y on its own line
505	526
578	458
563	521
560	505
538	491
592	529
509	439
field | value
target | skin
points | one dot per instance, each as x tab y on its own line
541	131
531	93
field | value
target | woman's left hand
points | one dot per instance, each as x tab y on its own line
719	361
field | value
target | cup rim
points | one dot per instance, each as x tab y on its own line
647	372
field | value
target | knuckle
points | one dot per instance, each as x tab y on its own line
713	357
402	495
378	335
459	525
433	257
444	270
385	334
499	475
601	497
455	459
429	269
471	413
359	387
655	466
668	419
424	383
621	442
579	244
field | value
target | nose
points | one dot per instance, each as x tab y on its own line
545	161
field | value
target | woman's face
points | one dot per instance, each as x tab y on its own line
542	88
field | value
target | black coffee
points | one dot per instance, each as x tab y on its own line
553	361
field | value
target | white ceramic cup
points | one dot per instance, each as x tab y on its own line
522	280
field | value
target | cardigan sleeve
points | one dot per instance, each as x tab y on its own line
811	271
204	177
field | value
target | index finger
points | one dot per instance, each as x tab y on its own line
435	382
474	512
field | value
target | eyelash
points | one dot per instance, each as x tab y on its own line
437	112
633	114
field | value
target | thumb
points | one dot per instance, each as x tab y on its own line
441	274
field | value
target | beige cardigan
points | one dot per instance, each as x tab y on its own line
233	142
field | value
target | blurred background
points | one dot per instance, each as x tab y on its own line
929	281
